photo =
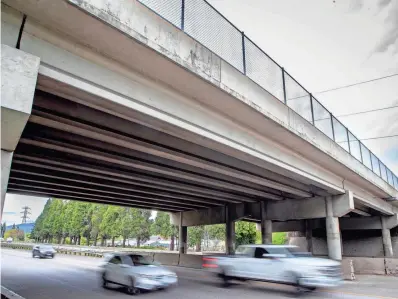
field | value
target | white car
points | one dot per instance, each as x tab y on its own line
282	264
135	273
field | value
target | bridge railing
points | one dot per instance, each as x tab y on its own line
205	24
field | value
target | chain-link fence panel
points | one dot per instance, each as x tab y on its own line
390	177
354	146
366	159
375	163
263	70
171	10
298	98
211	29
340	134
322	118
383	171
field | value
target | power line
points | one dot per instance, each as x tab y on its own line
361	112
381	137
355	84
367	111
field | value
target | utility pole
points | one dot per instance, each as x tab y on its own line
25	212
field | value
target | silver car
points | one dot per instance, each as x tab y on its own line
135	273
43	251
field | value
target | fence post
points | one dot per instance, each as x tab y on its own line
312	110
371	160
182	14
348	140
360	149
244	53
284	86
331	121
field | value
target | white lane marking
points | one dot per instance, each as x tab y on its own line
10	294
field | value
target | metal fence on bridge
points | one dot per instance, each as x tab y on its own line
205	24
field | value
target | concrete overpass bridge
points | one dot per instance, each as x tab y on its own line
113	102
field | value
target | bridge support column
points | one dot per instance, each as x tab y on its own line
6	159
183	233
19	72
386	234
308	235
230	232
332	232
266	225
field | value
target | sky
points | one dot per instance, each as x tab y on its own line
323	44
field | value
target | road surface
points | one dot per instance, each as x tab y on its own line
78	277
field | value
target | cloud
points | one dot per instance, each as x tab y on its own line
390	38
356	5
383	3
9	213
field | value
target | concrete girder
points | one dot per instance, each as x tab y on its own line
133	144
122	177
84	152
309	208
184	202
35	131
343	204
362	213
64	195
377	204
75	183
136	199
88	114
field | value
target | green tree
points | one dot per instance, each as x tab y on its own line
15	234
245	233
163	227
195	237
98	211
128	224
216	231
3	229
39	232
110	225
142	225
279	238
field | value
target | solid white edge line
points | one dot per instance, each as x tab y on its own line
10	294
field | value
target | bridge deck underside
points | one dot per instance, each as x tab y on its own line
75	152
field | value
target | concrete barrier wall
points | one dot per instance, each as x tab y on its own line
391	266
366	265
168	259
190	261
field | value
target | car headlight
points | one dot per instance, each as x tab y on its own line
171	275
145	276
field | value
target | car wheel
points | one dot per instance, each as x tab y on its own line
132	290
300	289
33	254
226	280
104	280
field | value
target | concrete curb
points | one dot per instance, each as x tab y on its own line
10	294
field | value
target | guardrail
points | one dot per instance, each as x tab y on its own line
204	23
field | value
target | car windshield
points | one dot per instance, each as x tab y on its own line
46	247
139	260
243	250
286	251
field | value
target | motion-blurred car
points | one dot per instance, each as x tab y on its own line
282	264
43	251
135	273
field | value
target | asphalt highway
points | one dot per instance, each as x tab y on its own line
78	277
